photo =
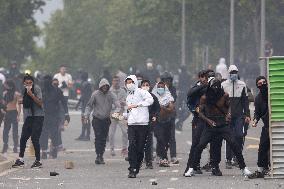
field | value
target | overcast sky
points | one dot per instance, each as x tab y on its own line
48	9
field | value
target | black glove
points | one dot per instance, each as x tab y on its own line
64	85
67	118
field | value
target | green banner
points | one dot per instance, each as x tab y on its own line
276	86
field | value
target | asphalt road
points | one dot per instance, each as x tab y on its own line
87	175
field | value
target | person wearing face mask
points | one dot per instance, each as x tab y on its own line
214	109
12	116
154	111
33	121
262	112
239	103
52	97
137	102
167	78
100	104
164	125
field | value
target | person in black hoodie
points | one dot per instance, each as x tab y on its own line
52	97
33	121
168	79
262	112
86	93
154	110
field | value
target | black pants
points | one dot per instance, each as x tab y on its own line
137	135
173	144
208	135
101	128
149	145
263	150
32	128
50	130
237	126
197	129
10	121
163	134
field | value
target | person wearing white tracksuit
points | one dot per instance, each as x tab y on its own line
137	102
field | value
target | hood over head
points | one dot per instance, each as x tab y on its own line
103	82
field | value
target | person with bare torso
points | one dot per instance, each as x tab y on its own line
214	109
13	111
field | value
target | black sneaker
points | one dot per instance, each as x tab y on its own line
256	174
99	160
37	164
132	173
207	167
149	165
216	171
198	171
18	164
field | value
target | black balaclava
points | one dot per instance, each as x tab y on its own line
263	88
47	82
214	92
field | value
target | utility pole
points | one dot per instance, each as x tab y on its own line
262	40
183	31
232	31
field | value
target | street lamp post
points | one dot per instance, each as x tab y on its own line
183	34
232	33
262	40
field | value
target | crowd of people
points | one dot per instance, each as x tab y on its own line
145	106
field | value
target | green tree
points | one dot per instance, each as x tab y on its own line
18	29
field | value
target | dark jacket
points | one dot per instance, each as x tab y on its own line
51	102
261	109
193	96
154	109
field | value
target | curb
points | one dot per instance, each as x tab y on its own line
6	164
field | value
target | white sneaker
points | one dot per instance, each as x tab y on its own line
189	173
246	172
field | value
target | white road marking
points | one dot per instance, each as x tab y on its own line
251	146
153	180
163	171
88	150
175	171
252	138
173	179
39	178
20	178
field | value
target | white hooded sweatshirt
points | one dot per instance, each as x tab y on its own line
141	98
222	68
164	99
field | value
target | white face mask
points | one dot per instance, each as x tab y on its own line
146	88
130	86
28	87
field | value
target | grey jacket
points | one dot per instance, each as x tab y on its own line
101	104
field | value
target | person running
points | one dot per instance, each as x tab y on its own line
120	94
214	109
12	100
164	126
138	102
52	97
154	111
33	121
100	104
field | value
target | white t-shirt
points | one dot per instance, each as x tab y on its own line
2	78
68	80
